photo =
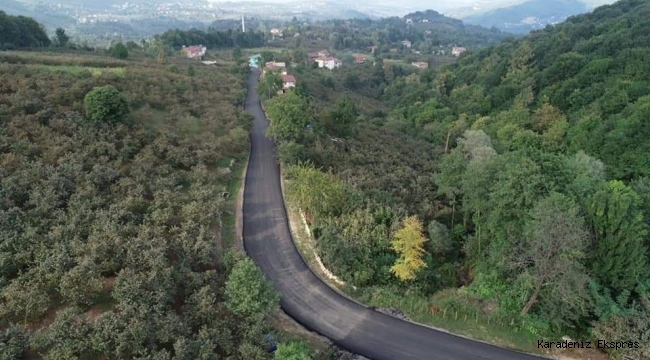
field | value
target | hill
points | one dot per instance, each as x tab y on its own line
115	219
509	189
530	15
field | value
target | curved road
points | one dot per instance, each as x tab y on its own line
311	302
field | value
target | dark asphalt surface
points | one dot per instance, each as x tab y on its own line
311	302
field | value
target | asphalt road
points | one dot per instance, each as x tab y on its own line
267	240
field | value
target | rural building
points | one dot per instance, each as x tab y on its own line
328	62
194	52
406	44
420	65
288	81
359	59
456	51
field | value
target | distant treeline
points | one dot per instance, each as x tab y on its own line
212	38
21	32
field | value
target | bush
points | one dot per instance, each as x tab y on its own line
105	104
119	51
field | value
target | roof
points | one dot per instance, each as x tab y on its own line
288	78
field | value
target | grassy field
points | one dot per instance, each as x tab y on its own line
74	69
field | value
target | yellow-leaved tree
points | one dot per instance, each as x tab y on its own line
408	242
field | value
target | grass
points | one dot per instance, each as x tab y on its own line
228	231
504	332
75	69
492	329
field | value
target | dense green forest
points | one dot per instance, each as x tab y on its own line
212	38
525	165
20	32
114	232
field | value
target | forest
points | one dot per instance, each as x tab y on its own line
510	187
114	227
212	38
20	32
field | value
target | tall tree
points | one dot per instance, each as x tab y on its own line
289	115
551	256
61	37
620	260
248	293
408	242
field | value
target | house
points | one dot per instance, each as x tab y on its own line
288	81
359	59
254	60
420	65
328	62
319	54
276	32
194	52
406	44
456	51
274	66
373	49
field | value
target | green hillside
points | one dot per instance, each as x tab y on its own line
527	166
114	227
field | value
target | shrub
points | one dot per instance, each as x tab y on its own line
105	104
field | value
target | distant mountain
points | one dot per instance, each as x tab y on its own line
530	15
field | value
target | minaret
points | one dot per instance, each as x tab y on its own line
243	24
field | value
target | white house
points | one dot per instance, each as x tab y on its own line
456	51
407	44
328	62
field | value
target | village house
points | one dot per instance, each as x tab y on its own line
194	52
273	66
288	81
420	65
319	54
276	32
328	62
359	59
406	44
456	51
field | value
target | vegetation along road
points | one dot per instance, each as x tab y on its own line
310	301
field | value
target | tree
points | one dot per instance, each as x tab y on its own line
289	115
440	238
550	258
248	293
119	51
620	261
292	351
61	37
270	84
105	104
408	243
344	116
191	71
236	53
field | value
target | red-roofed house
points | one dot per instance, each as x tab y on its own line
194	52
288	82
